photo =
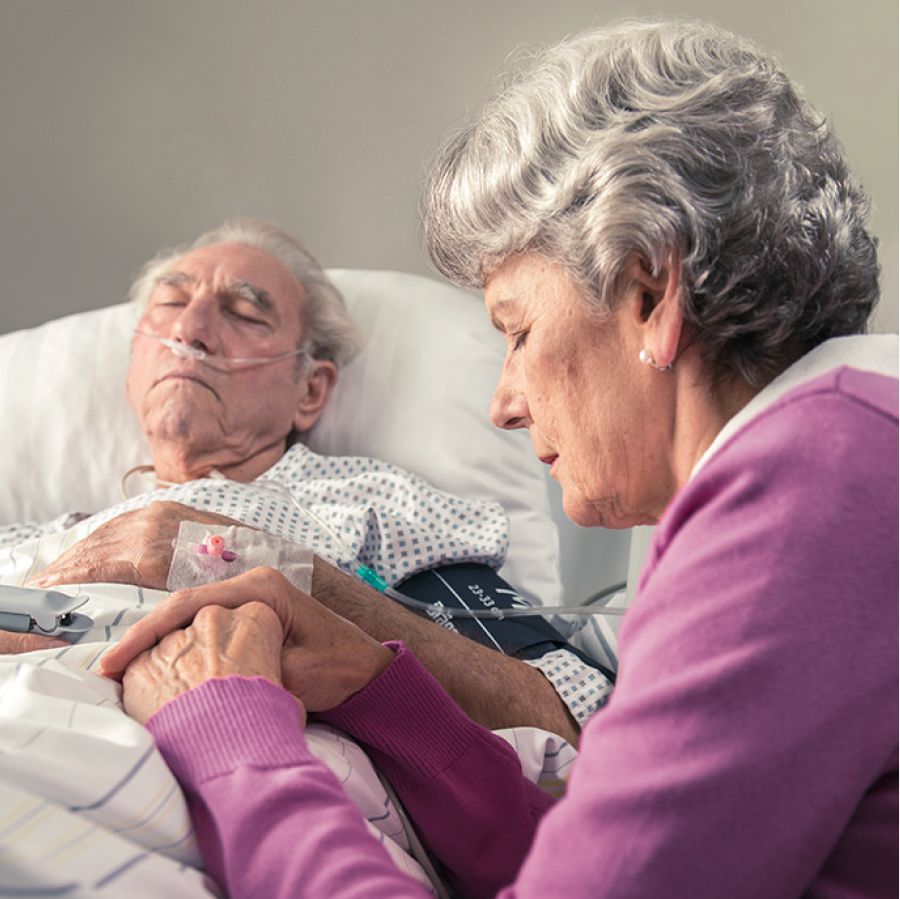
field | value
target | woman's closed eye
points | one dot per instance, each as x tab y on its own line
517	339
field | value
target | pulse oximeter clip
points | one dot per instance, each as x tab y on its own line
47	612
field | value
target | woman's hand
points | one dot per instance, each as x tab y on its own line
325	659
220	642
133	548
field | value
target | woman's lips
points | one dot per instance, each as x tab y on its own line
549	460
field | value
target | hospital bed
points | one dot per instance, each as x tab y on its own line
87	807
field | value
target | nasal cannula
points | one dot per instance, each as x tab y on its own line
219	363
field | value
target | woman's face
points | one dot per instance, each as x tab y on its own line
572	377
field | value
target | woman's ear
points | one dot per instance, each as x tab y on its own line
656	308
314	388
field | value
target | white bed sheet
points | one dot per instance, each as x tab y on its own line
87	805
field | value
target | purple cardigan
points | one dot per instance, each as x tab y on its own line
749	749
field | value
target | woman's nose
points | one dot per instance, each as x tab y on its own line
509	410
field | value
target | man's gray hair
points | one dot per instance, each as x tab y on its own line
666	139
329	332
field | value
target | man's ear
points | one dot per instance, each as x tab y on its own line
314	388
656	310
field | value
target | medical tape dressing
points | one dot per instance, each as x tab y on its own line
199	558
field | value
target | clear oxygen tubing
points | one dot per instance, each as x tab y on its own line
219	363
147	472
373	579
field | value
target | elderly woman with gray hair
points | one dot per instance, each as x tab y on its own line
669	239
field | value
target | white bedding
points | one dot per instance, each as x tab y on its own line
87	805
65	744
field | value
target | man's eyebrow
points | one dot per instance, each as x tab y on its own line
260	298
175	279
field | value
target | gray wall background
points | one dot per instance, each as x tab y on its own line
127	126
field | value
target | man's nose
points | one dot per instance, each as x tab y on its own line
196	326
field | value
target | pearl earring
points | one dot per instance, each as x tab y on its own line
647	359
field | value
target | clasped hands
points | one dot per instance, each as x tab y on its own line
256	624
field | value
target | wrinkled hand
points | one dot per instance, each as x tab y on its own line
133	548
14	643
325	659
220	642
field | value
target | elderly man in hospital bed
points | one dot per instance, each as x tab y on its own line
238	348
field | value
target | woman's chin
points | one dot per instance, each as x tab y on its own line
607	513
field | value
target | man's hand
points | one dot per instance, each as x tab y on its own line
495	690
133	548
325	660
13	643
219	643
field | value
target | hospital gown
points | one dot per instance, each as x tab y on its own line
387	519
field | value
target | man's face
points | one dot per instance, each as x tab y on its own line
232	301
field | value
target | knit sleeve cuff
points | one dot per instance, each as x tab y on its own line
406	714
227	723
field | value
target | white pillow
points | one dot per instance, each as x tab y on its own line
417	396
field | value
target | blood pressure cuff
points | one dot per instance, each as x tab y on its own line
473	586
